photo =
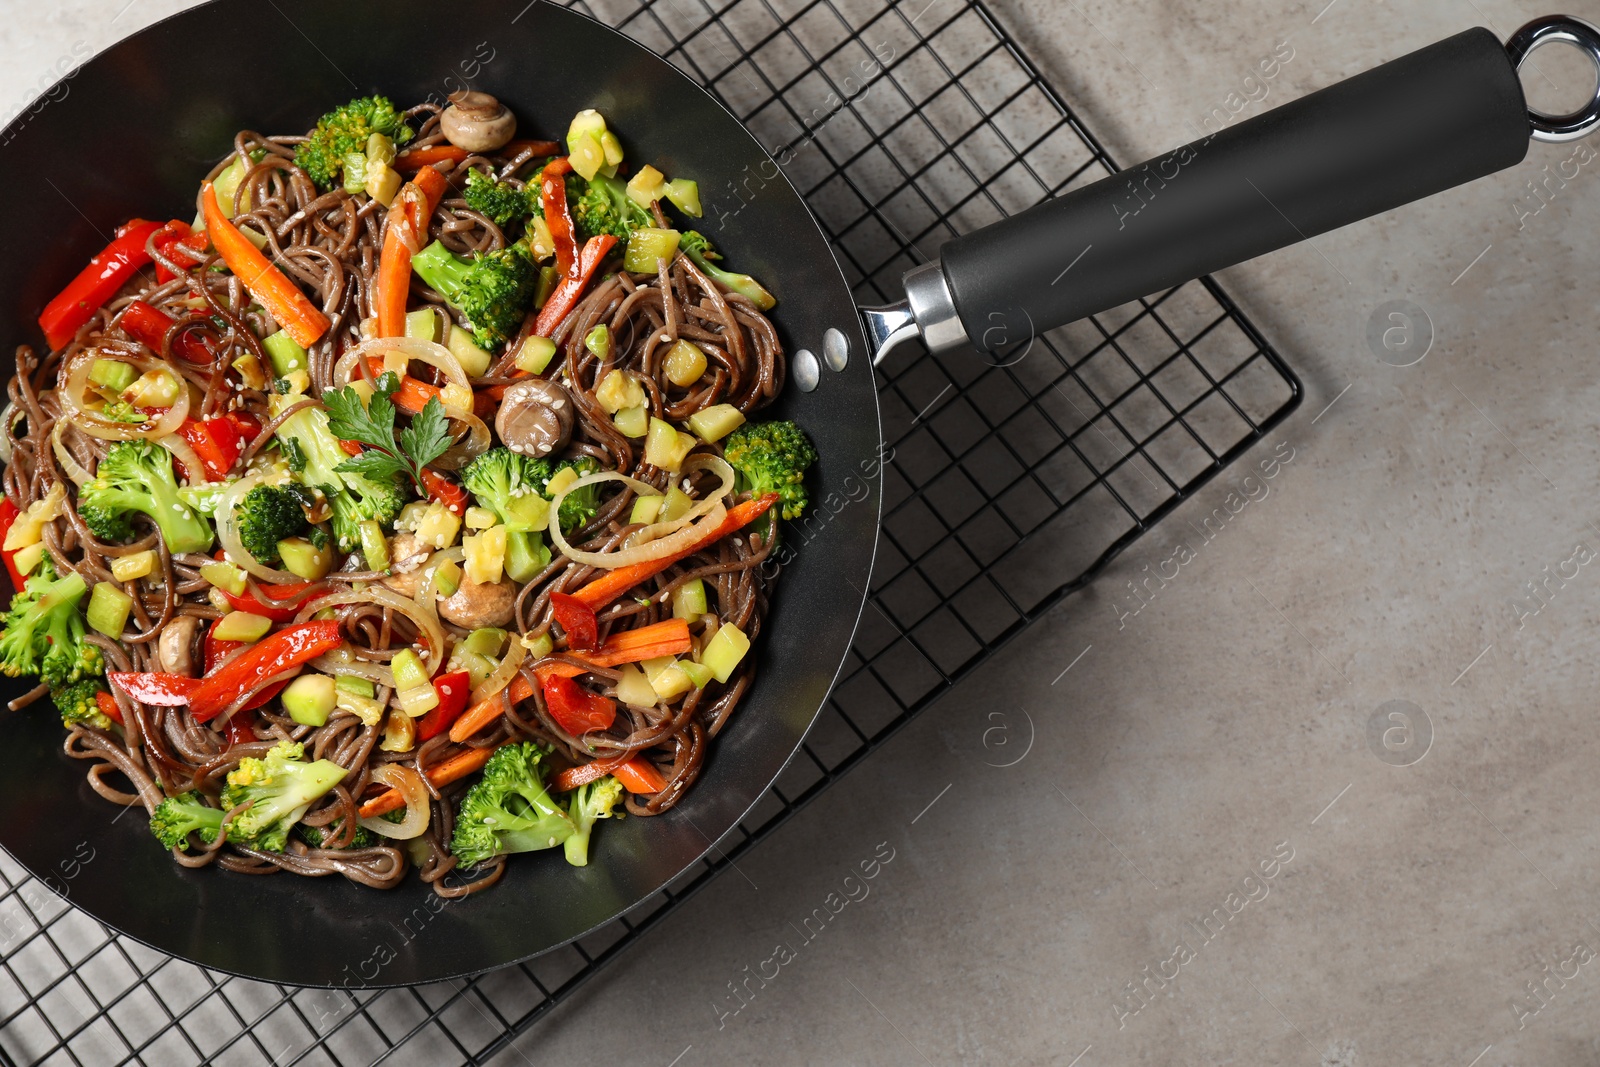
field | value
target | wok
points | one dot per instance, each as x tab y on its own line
131	132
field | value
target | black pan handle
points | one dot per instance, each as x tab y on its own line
1436	118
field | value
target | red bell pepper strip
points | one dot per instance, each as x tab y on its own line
217	442
148	325
8	515
284	591
427	155
577	620
575	709
405	232
218	650
276	653
445	491
553	198
107	272
179	243
155	687
453	690
295	312
565	298
108	706
241	727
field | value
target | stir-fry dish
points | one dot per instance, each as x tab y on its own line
409	506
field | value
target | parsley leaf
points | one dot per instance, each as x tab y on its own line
428	436
372	424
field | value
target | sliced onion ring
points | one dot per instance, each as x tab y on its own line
74	469
388	598
75	403
430	352
184	452
675	536
341	661
428	592
413	791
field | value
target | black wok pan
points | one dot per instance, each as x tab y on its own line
133	130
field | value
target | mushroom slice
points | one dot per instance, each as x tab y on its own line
536	417
477	122
475	605
406	556
175	648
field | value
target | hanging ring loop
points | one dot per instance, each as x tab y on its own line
1559	129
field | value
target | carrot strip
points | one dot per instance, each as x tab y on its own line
487	711
404	231
639	775
443	773
603	590
412	396
667	638
299	317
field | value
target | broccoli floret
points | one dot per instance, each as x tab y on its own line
511	485
314	836
492	289
137	476
508	809
501	201
175	818
353	498
602	205
693	244
44	631
507	483
267	515
345	129
203	498
282	788
79	703
772	457
579	507
597	800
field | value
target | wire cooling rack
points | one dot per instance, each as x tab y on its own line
1009	488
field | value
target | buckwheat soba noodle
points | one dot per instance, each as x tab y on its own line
406	507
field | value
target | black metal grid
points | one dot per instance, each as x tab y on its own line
1009	488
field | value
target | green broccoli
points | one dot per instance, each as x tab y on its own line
493	289
79	703
772	457
596	800
316	838
175	818
267	515
602	205
579	507
345	129
353	498
281	788
510	484
137	476
502	202
508	810
693	244
203	498
44	631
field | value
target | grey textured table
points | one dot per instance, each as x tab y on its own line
1222	844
